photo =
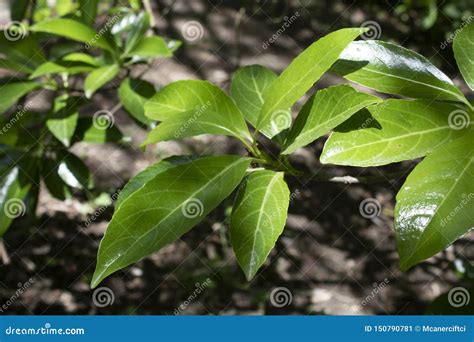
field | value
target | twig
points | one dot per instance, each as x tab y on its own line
237	22
4	254
348	179
149	9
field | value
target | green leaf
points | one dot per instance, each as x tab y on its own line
392	69
186	96
65	7
88	132
12	65
133	94
189	108
18	9
146	221
88	11
99	77
74	30
151	47
63	119
324	111
248	87
191	124
25	51
46	69
148	174
82	58
141	178
11	198
18	172
258	218
73	171
12	92
299	76
54	183
436	204
463	47
393	131
137	31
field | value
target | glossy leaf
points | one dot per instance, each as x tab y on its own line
46	69
63	120
165	208
189	124
54	183
393	131
13	91
194	107
88	10
82	58
148	174
258	218
11	195
133	94
436	204
18	173
100	77
151	47
74	30
248	87
137	31
392	69
15	66
463	47
324	111
298	78
25	51
88	132
73	171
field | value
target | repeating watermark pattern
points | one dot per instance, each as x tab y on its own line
275	213
453	35
370	208
280	297
15	30
458	119
466	198
14	207
103	119
102	297
199	288
295	195
192	31
21	110
92	218
281	119
192	208
374	32
199	110
21	289
376	288
458	296
287	22
108	24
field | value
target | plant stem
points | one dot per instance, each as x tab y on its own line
348	179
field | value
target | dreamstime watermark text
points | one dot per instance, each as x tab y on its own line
287	22
199	288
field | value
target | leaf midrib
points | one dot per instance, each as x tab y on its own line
458	96
238	161
399	137
257	228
